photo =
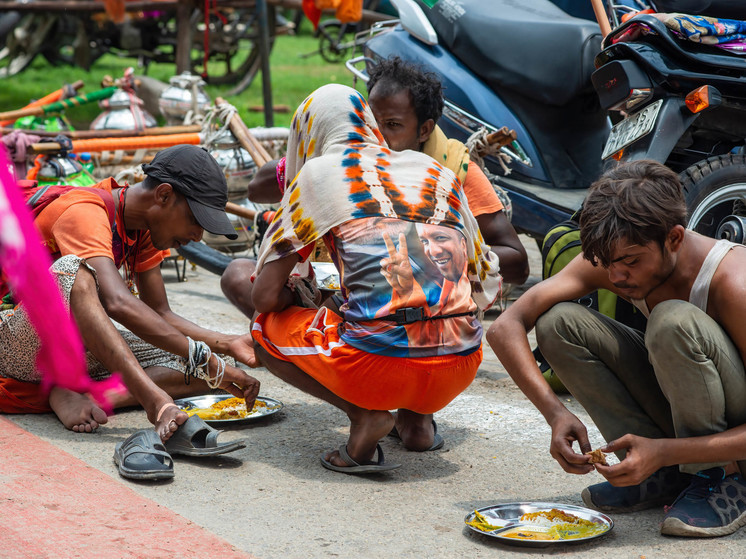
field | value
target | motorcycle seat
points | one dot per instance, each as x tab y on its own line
688	53
533	48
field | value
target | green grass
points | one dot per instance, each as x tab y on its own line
292	78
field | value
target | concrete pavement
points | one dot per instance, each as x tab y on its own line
61	495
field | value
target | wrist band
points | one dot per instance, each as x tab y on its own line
196	364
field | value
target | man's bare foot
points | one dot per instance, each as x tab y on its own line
170	417
366	429
76	411
415	430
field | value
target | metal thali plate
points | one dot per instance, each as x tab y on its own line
272	407
510	529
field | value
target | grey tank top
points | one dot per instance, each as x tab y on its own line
701	287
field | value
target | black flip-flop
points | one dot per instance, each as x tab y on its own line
143	456
438	440
196	438
353	467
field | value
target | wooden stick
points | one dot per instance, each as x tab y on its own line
88	134
49	98
61	104
240	211
246	138
275	108
601	17
502	137
128	143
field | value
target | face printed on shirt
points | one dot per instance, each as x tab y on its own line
446	248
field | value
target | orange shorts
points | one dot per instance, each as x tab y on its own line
308	338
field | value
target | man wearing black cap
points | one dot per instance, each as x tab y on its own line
92	234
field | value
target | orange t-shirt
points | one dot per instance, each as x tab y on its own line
77	223
479	192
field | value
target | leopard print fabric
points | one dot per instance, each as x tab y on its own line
19	343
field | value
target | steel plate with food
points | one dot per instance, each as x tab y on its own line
327	276
225	409
539	524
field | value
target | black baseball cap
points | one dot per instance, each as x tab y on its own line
196	175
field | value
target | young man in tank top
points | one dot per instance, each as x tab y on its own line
670	401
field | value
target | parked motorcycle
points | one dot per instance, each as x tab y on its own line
683	104
528	66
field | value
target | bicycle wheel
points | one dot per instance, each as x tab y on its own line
332	45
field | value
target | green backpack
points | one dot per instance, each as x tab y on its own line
562	244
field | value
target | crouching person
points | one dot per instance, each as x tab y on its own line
410	257
672	401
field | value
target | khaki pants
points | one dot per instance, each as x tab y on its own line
684	377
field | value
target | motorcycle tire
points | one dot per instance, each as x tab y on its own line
714	189
205	257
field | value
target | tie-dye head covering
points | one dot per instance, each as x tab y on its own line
341	170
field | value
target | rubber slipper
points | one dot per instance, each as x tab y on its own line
438	440
196	438
143	456
353	467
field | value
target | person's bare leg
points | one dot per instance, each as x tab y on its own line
415	429
236	284
101	338
76	411
367	427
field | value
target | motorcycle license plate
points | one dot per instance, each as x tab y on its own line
632	128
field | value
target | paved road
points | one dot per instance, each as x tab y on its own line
273	499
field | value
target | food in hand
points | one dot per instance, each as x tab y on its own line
597	457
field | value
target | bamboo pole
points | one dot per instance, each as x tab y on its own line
88	134
49	98
240	211
601	17
129	143
104	93
246	138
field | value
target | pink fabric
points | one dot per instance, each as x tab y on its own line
26	265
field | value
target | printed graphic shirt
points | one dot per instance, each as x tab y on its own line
390	264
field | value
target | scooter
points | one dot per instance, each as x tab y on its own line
528	66
521	65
